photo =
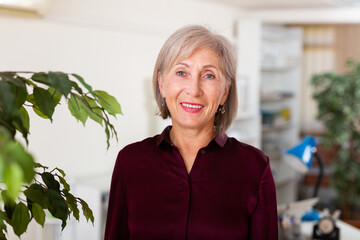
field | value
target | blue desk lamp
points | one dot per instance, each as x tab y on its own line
304	153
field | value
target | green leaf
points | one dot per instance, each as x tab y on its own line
20	219
2	218
9	205
13	79
20	120
41	77
16	153
56	95
6	123
24	116
82	81
3	227
30	98
20	94
5	197
36	193
108	102
77	109
88	214
38	213
30	83
38	165
7	76
76	86
58	207
64	183
5	135
14	178
7	97
39	113
107	132
50	181
72	203
61	82
9	209
3	166
60	171
92	109
2	234
44	102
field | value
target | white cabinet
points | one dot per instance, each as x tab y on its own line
269	75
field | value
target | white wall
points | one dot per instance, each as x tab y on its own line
113	44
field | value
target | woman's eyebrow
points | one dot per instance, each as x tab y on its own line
204	67
185	64
209	66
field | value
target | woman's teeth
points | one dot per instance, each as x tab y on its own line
191	106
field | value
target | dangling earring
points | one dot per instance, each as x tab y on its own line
221	109
163	103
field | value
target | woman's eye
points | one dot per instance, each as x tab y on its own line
180	73
209	76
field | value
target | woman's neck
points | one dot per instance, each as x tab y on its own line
191	139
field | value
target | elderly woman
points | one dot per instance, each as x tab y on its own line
193	181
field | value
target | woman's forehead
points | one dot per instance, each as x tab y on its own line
183	55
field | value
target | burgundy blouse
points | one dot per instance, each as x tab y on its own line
228	194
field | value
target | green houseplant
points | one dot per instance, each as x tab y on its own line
28	189
338	98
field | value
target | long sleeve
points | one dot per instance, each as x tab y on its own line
264	219
117	215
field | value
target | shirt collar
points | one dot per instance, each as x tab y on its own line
165	137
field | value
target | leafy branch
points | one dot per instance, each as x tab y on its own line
43	190
338	98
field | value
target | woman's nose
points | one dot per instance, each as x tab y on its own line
194	88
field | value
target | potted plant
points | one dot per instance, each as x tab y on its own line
29	190
338	98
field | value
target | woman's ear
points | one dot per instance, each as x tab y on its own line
161	85
225	95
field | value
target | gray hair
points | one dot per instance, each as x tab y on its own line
181	45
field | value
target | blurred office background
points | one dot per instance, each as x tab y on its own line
114	45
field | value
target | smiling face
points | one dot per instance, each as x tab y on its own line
194	88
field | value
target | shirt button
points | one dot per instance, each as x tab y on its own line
202	151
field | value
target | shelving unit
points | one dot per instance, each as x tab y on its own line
269	77
279	102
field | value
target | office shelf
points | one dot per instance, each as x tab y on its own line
269	75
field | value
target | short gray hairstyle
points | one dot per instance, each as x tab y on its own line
180	45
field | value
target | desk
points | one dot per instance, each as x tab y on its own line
347	232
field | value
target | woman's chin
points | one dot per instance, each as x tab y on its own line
193	125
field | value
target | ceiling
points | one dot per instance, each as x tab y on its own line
266	4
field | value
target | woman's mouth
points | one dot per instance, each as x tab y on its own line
191	107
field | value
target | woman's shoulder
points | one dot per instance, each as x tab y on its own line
135	152
139	146
148	143
247	151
